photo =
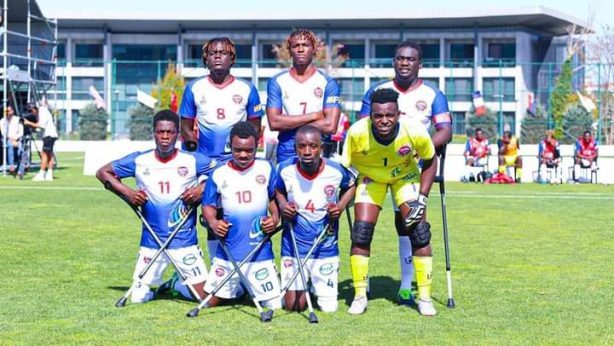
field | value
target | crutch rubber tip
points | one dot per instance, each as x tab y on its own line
266	316
313	318
121	302
451	303
193	313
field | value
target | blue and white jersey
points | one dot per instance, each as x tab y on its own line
312	194
423	102
292	97
243	195
217	108
164	181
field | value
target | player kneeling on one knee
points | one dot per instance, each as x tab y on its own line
312	193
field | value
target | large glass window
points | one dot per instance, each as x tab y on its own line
355	52
352	89
61	53
430	54
384	53
194	55
141	64
458	123
268	57
500	53
81	87
432	81
459	89
509	122
496	89
461	54
244	55
88	54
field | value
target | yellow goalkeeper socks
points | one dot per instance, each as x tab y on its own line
518	174
360	270
501	169
424	271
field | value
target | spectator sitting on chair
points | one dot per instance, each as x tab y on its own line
12	131
476	152
586	153
508	154
549	155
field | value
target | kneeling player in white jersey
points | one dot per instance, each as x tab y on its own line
168	181
244	189
308	192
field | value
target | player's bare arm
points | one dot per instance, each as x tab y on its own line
188	134
270	222
107	177
220	227
288	210
193	195
335	210
429	170
284	122
442	137
328	124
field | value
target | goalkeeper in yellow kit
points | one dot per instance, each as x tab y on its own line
385	151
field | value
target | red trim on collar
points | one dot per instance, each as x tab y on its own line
224	84
307	175
232	165
411	87
165	160
311	70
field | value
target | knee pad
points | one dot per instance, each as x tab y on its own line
420	235
141	293
328	304
362	233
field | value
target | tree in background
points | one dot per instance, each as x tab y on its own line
93	123
169	90
534	126
141	119
559	101
487	122
600	53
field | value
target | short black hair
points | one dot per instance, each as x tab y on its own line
585	132
410	44
507	134
244	130
308	129
478	130
384	95
166	115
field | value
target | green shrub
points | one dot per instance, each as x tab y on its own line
93	123
141	119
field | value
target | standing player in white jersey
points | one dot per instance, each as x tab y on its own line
301	95
312	193
426	104
217	102
168	181
244	189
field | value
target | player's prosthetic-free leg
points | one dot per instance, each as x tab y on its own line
312	315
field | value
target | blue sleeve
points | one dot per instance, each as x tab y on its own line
347	178
272	182
331	94
188	107
210	196
254	108
365	110
440	104
273	94
204	164
280	185
578	147
126	166
467	146
540	148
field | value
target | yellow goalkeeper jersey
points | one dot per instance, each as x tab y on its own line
387	163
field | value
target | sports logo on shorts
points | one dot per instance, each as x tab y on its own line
404	150
261	179
318	92
366	180
288	263
189	259
146	259
262	274
182	171
421	105
237	98
219	272
329	191
326	268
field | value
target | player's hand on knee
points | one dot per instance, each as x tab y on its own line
220	227
137	197
334	212
417	208
289	212
268	224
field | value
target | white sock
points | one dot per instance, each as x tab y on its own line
576	171
405	260
212	248
467	173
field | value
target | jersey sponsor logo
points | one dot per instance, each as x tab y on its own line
326	268
189	259
219	272
182	171
286	96
332	99
255	231
421	105
203	100
404	150
146	172
262	274
177	214
288	263
329	191
410	176
261	179
237	98
213	163
318	92
257	108
224	185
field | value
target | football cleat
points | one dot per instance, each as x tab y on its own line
426	308
359	305
406	298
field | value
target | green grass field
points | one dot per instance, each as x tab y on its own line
531	264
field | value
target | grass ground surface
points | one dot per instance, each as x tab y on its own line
531	264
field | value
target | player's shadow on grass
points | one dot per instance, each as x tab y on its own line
379	287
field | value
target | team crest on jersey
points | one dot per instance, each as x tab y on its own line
261	179
404	150
318	92
288	263
182	171
262	274
236	98
329	191
421	105
219	272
